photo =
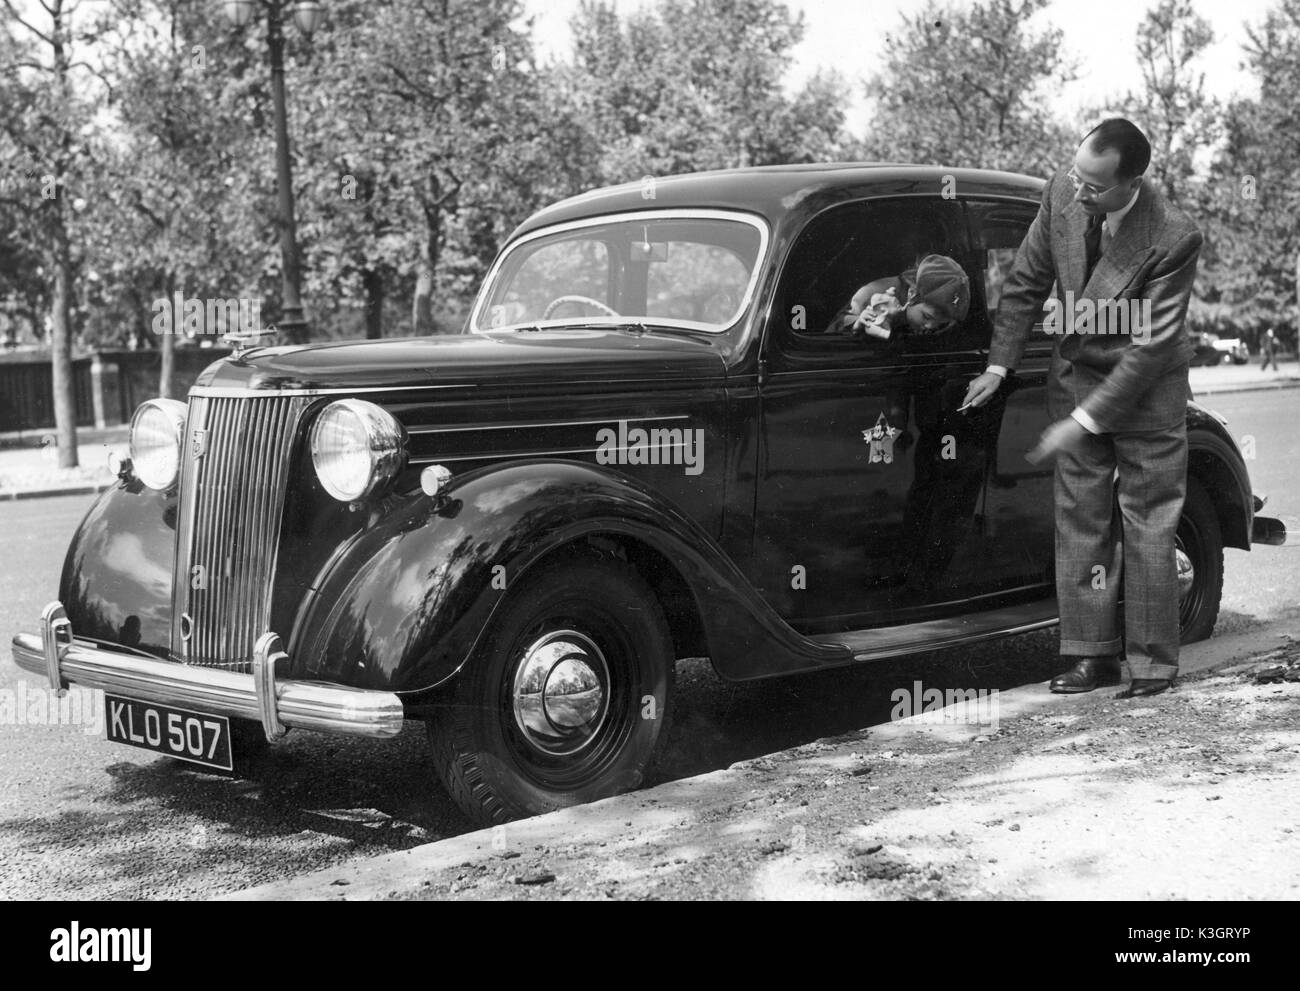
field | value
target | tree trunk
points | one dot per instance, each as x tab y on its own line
65	402
167	348
373	284
422	306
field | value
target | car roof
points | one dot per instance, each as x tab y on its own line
773	191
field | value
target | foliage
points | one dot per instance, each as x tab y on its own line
968	85
422	131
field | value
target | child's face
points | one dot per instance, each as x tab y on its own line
927	317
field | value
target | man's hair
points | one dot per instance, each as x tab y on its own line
1125	137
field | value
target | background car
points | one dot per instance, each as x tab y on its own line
1233	348
1204	349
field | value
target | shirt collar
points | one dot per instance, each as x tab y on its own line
1116	217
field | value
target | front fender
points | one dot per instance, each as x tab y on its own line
403	607
117	575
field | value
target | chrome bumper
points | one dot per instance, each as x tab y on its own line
1266	530
277	704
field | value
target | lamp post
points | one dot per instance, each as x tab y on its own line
307	14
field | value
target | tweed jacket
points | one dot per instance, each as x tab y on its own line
1133	381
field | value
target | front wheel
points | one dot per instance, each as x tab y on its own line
1198	546
566	702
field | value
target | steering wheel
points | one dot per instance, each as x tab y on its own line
559	301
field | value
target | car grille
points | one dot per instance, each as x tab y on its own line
234	467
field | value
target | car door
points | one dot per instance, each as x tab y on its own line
868	479
1017	519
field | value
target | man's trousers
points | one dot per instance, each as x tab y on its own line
1118	502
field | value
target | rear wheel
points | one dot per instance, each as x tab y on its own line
1198	547
566	702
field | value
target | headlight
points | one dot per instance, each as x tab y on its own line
156	430
357	449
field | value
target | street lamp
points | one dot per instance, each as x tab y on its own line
307	14
238	12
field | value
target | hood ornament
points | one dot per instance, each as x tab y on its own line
243	341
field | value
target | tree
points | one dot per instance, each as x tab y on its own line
968	86
1254	187
164	181
1172	107
23	290
458	75
691	85
47	125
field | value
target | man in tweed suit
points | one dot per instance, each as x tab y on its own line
1117	400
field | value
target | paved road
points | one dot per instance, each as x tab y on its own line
80	817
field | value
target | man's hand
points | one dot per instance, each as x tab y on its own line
1064	435
982	389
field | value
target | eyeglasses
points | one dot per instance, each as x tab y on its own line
1091	190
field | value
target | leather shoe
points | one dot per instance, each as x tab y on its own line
1140	687
1088	673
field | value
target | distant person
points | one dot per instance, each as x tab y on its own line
1268	348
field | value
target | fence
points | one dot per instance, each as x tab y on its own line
107	385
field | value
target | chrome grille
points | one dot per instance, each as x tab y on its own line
234	468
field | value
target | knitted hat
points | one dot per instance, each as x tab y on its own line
941	282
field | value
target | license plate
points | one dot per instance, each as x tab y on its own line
181	733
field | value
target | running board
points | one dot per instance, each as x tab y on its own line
915	638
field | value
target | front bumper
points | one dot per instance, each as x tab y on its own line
277	704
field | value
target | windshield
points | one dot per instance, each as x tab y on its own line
695	272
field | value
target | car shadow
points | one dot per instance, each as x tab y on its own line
717	723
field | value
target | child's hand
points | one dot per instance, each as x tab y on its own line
872	325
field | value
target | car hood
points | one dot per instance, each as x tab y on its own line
567	356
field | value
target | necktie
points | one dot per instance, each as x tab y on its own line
1092	242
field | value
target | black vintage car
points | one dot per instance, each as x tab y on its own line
650	442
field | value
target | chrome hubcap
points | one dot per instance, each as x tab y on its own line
1186	573
561	693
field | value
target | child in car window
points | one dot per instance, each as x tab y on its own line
927	299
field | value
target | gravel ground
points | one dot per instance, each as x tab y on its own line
1189	795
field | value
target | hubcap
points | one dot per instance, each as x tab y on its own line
1186	573
561	693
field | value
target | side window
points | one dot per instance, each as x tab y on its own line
998	230
848	255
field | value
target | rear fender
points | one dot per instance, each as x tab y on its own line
1214	460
